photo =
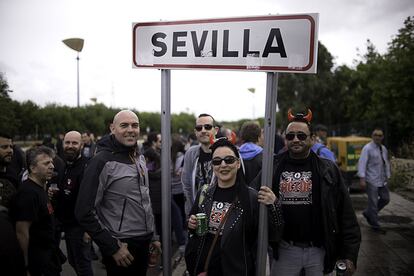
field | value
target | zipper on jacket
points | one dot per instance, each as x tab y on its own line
122	215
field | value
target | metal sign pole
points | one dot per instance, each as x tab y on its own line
267	167
165	169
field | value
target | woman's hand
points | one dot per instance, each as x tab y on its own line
192	222
266	195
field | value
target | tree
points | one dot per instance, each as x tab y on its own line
383	86
8	121
302	91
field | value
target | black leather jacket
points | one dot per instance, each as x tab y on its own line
239	240
342	235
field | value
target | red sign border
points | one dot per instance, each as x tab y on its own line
230	67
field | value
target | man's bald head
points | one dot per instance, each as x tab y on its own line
73	135
123	114
72	145
125	128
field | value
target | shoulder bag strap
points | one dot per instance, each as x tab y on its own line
210	251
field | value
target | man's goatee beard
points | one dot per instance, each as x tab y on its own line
70	156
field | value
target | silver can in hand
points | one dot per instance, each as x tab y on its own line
340	268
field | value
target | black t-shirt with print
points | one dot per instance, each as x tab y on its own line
204	170
300	200
222	200
31	204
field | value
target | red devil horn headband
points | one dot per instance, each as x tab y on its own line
300	117
308	116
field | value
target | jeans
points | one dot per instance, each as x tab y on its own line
378	198
139	250
79	252
176	224
293	259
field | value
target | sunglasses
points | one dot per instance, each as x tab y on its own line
228	160
206	127
301	136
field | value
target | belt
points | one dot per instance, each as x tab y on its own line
302	244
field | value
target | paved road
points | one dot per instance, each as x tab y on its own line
380	255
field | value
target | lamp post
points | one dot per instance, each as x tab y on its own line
252	90
77	45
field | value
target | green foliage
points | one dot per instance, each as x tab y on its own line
302	91
397	181
385	86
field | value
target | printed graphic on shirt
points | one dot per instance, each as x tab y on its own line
218	210
68	187
203	173
296	188
50	208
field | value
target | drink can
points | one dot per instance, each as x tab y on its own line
340	268
202	225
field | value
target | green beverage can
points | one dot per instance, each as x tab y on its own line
202	225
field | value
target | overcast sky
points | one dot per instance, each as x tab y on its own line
40	68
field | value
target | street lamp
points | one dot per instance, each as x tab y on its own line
252	90
77	45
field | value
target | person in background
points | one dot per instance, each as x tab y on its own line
11	257
59	145
177	158
152	154
191	141
47	141
89	146
321	134
374	172
321	150
33	215
178	200
78	243
250	152
197	169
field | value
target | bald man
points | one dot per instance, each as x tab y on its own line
114	206
64	200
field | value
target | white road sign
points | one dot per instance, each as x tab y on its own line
280	43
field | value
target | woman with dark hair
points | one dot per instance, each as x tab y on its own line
229	243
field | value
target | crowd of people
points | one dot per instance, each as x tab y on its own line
108	192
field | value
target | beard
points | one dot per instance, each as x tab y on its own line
71	154
5	161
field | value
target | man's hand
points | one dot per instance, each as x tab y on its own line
192	222
350	267
86	238
266	195
157	246
122	257
362	183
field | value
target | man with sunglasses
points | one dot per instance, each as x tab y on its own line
197	169
374	172
320	223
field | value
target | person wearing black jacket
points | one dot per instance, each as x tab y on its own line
320	224
78	243
113	204
231	209
250	151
